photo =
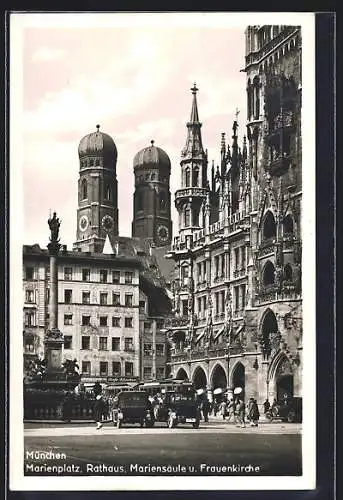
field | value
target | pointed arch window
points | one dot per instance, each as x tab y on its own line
195	177
268	277
84	189
288	272
256	98
187	217
269	226
288	227
188	177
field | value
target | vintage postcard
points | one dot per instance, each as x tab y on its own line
162	187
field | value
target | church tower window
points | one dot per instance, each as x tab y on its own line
84	189
107	192
162	201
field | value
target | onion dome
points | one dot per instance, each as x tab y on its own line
151	157
98	144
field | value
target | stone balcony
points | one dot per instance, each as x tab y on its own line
189	192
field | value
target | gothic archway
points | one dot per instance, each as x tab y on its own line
199	378
218	378
238	378
282	378
181	374
269	327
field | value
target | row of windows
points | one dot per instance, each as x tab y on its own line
103	298
190	217
103	343
191	177
147	372
103	321
150	177
90	163
117	369
86	368
104	275
148	349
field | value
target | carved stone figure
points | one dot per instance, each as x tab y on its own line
54	225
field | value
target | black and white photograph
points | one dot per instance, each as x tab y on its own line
162	314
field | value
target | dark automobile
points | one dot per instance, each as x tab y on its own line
132	407
179	407
288	410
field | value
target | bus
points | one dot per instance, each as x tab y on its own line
155	387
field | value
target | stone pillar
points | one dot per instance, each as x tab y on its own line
53	341
53	309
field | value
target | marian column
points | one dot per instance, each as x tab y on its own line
54	337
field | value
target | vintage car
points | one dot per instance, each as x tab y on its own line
132	407
179	407
287	410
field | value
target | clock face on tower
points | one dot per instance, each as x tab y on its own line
162	233
107	222
83	223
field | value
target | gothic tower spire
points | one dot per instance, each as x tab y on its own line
194	184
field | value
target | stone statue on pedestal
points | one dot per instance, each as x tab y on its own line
54	225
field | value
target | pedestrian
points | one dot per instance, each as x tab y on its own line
205	407
98	411
222	409
231	410
266	406
254	413
240	409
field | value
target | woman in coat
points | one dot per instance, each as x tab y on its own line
254	413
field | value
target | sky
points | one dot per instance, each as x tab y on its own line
135	82
131	74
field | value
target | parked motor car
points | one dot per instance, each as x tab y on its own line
289	410
132	407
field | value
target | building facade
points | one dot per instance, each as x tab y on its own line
112	297
107	310
237	290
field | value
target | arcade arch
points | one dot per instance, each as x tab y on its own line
238	378
199	378
181	374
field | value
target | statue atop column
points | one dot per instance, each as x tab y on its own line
54	225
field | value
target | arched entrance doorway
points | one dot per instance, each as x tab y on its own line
181	374
238	378
269	327
199	378
284	381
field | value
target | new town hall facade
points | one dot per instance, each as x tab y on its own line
237	293
231	314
